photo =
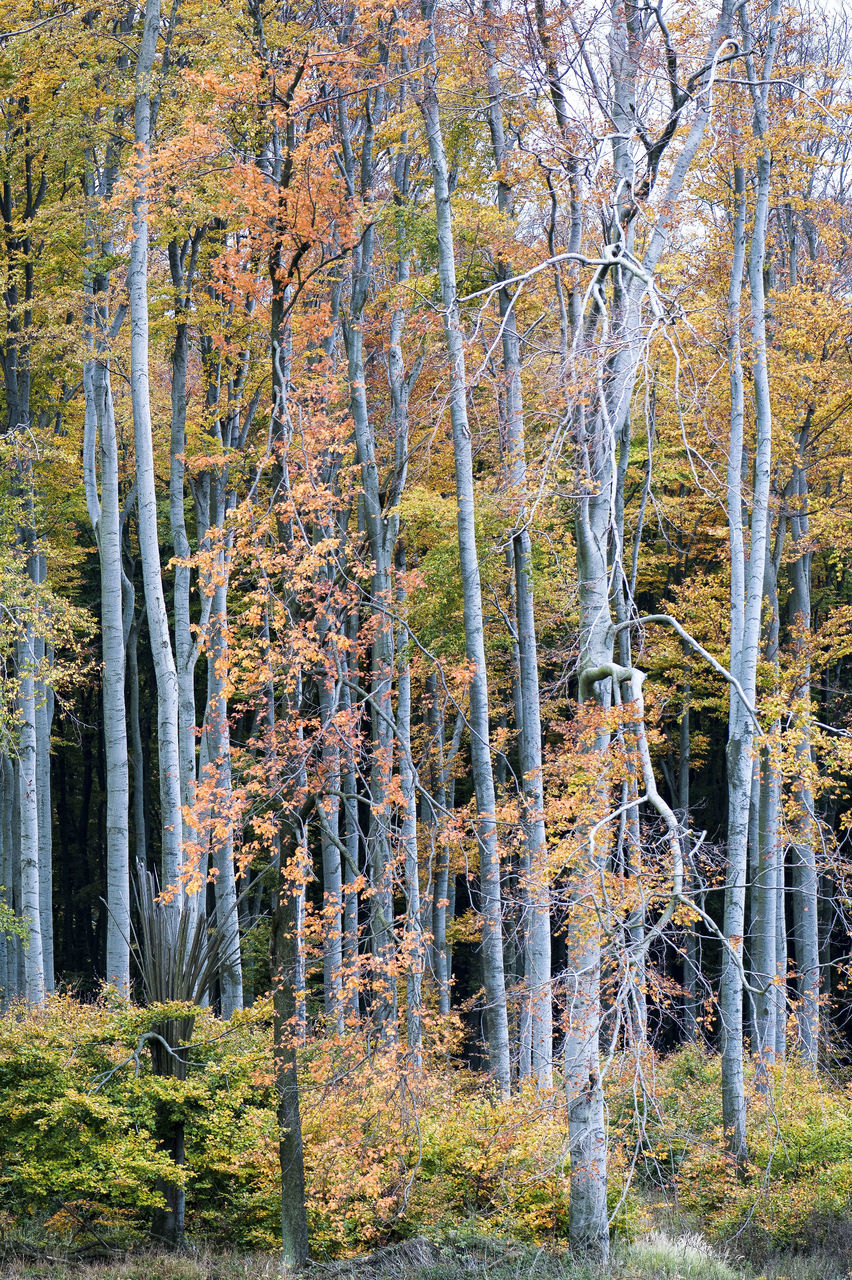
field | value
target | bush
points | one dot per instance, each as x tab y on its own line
797	1188
387	1155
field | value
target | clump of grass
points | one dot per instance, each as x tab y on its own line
459	1256
190	1264
463	1257
687	1257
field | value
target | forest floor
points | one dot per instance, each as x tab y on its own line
656	1257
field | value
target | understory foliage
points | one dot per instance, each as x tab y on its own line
390	1155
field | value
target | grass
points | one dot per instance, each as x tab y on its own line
657	1256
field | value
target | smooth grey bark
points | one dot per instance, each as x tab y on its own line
803	820
740	733
380	509
692	947
34	988
437	805
536	887
767	965
158	622
231	422
332	861
7	944
768	1008
286	988
100	439
589	1224
413	937
617	329
753	869
629	848
781	961
10	879
218	736
20	977
480	746
382	530
739	766
764	881
215	499
44	722
381	535
136	754
746	583
183	258
334	853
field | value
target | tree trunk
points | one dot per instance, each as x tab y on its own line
413	942
186	647
739	764
441	857
8	945
17	887
805	835
770	1004
218	738
105	515
332	862
352	843
34	989
137	757
480	747
44	722
158	621
536	887
285	967
692	942
746	590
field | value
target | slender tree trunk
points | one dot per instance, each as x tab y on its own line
692	946
17	886
414	951
804	866
352	842
158	622
765	893
8	946
781	960
437	816
186	649
34	989
536	887
381	532
44	722
589	1221
746	586
285	988
137	757
218	732
769	1001
739	765
480	748
105	515
332	863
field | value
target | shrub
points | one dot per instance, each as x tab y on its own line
799	1178
388	1155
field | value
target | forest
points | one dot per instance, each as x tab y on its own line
425	638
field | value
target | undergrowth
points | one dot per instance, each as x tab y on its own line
394	1157
456	1257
